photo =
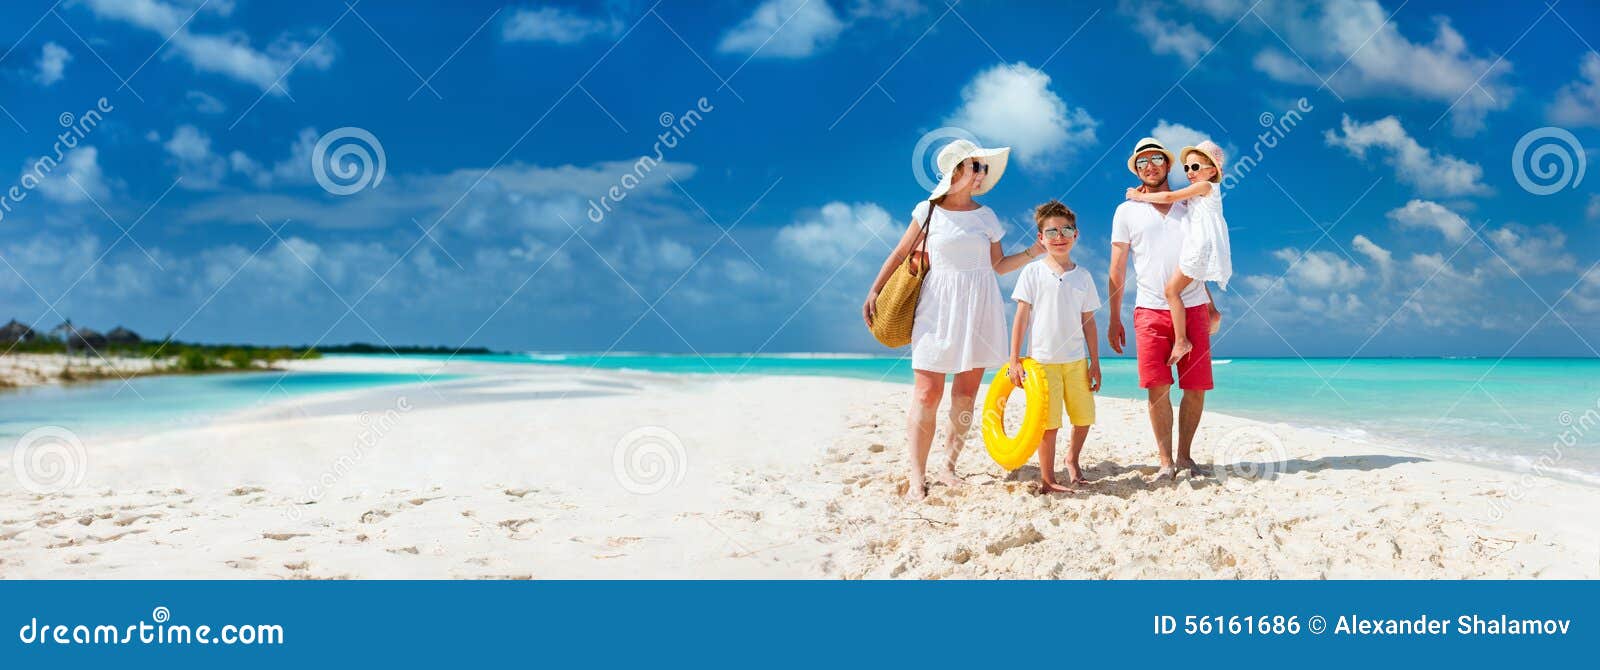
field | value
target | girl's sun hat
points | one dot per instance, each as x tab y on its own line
1149	144
959	150
1210	150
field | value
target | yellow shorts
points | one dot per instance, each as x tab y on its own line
1069	390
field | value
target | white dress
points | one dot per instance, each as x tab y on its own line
1206	254
960	322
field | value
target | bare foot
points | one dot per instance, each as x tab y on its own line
915	491
1195	469
949	478
1052	487
1180	349
1166	472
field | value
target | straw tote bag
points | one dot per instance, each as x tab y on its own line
897	301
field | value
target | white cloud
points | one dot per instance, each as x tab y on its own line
1593	212
1431	174
557	26
835	233
1541	250
53	59
205	103
1578	103
1364	51
190	148
893	10
1013	105
1170	37
1379	256
229	54
1426	214
81	165
784	29
1322	270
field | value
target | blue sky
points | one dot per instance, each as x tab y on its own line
1387	220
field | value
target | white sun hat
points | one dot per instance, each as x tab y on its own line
959	150
1150	144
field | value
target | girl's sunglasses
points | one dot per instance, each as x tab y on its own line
1194	167
1157	160
977	167
1060	233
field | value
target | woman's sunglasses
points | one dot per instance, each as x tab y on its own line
977	167
1157	160
1194	167
1059	233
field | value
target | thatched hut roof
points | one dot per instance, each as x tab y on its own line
120	335
16	332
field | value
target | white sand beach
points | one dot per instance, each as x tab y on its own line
522	471
22	370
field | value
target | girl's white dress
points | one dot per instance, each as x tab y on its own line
960	323
1206	254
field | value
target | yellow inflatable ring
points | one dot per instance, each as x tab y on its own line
1012	452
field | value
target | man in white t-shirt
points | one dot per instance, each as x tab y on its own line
1154	235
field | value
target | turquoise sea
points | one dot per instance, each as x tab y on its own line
1527	414
145	403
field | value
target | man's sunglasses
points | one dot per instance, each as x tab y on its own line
1157	160
1060	233
1194	167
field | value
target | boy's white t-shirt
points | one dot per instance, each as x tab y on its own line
1059	301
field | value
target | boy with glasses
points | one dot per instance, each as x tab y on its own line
1057	298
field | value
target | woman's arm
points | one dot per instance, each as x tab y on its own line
1004	264
1199	188
896	257
1018	327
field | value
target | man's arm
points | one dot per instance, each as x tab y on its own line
1115	336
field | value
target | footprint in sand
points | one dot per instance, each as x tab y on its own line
246	490
515	525
374	516
281	537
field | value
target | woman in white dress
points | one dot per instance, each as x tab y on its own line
960	319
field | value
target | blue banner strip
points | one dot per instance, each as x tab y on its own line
719	624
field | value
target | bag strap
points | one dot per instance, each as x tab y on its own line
917	255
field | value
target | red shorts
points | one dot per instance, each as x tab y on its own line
1153	339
